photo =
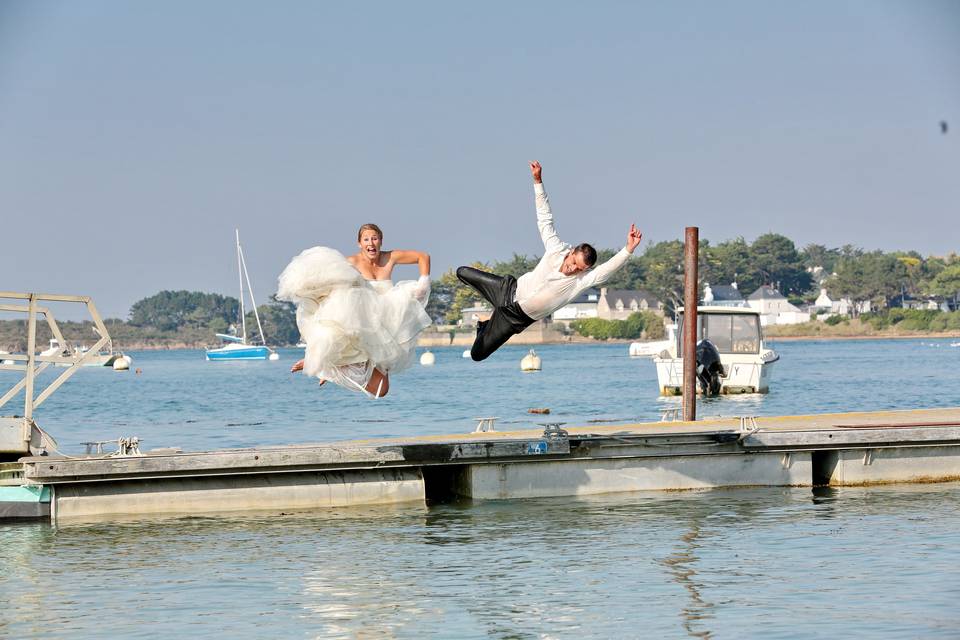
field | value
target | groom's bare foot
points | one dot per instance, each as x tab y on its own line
297	366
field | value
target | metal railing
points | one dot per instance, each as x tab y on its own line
32	364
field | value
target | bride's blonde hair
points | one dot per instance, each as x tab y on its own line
369	227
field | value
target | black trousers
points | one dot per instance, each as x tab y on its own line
508	318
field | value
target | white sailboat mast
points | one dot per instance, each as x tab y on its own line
253	300
240	270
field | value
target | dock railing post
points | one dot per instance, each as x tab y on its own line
31	356
691	252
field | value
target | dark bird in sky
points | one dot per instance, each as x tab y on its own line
943	126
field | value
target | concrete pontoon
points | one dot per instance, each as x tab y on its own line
839	449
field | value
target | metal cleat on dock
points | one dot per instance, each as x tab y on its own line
748	426
95	446
669	415
129	446
485	424
552	431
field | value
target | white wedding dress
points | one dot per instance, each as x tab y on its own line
352	325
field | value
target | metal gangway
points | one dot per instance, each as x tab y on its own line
19	434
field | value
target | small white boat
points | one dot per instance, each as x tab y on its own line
236	347
54	348
102	359
747	362
650	349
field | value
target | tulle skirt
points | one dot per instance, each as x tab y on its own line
351	325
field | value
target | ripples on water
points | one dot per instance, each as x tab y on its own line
877	562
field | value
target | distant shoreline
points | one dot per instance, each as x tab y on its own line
465	340
900	336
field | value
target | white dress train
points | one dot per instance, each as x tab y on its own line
352	325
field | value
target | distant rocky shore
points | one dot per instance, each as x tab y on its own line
540	333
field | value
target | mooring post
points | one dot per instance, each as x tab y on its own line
691	252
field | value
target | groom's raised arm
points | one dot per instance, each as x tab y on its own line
548	233
603	272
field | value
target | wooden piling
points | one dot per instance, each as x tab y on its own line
691	251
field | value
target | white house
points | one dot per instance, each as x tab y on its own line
844	306
618	304
723	295
824	301
583	306
774	308
932	303
470	316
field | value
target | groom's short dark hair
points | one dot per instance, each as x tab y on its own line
588	252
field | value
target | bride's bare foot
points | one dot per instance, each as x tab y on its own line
322	382
297	366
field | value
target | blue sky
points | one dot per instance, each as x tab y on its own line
135	136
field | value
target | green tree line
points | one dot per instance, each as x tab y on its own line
176	311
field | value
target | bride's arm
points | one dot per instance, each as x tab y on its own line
421	259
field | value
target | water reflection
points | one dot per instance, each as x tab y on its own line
682	565
694	564
826	496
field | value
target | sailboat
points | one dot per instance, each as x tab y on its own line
236	347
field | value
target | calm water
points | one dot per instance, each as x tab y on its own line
182	400
875	562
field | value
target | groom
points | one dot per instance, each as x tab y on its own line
562	273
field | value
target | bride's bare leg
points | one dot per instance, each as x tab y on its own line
298	366
379	384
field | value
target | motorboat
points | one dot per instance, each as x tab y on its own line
236	347
101	359
652	348
746	363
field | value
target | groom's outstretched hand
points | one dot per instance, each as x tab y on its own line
536	170
633	238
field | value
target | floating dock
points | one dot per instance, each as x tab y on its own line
839	449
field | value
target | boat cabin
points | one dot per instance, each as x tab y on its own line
736	333
731	330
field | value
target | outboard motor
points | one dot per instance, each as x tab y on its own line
709	369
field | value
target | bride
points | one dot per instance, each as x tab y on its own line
359	327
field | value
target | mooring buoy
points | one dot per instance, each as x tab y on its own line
530	362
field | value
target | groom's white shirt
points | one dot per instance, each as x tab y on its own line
545	289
